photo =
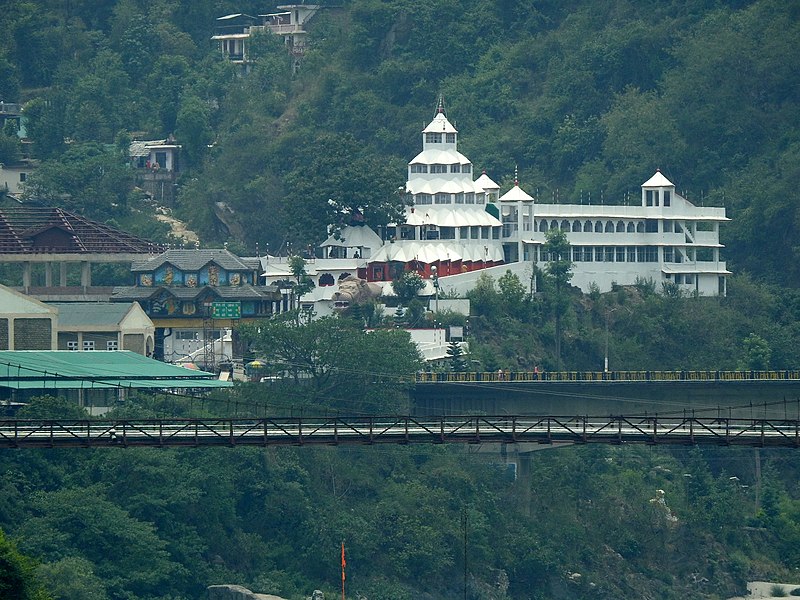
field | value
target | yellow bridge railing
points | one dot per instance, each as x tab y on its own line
610	376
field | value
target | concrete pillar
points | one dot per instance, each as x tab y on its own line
62	275
86	274
26	275
48	274
11	331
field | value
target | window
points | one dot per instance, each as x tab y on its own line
495	233
456	168
543	226
161	159
609	227
442	198
648	196
377	273
474	232
588	254
460	198
588	227
553	224
565	225
469	197
598	254
325	280
438	168
23	177
641	255
651	254
577	254
112	345
447	233
433	138
667	198
620	253
485	233
466	168
463	233
451	139
186	334
668	226
689	279
640	227
576	226
423	199
72	345
598	227
620	227
651	226
669	254
631	253
631	228
417	168
609	253
479	198
88	345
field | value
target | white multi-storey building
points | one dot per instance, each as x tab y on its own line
456	225
452	223
665	238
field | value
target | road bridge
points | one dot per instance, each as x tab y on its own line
516	430
743	394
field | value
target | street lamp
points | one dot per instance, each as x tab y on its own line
605	361
435	279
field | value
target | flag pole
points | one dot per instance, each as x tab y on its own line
344	564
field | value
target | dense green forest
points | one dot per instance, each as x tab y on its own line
586	99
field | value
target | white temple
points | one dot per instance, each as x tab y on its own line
459	225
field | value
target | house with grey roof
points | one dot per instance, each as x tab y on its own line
178	289
85	326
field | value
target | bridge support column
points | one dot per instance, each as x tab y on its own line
86	274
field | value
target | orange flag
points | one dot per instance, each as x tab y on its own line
344	562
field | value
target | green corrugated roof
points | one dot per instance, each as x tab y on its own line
63	369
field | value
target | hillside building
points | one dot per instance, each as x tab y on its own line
456	225
233	32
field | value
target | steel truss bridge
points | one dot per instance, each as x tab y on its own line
334	431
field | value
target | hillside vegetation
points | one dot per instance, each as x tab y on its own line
586	99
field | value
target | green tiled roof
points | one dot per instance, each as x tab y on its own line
63	369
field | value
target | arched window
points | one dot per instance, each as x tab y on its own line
631	227
543	226
620	227
588	227
553	224
576	226
564	225
598	227
640	227
326	279
609	227
342	277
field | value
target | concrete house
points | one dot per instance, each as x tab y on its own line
89	326
26	323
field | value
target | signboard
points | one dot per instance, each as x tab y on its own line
226	310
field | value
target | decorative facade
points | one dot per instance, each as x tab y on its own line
452	223
177	288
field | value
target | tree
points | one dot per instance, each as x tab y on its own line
17	574
757	353
556	250
456	356
193	128
332	362
407	286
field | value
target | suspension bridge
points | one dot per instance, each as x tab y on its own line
335	431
